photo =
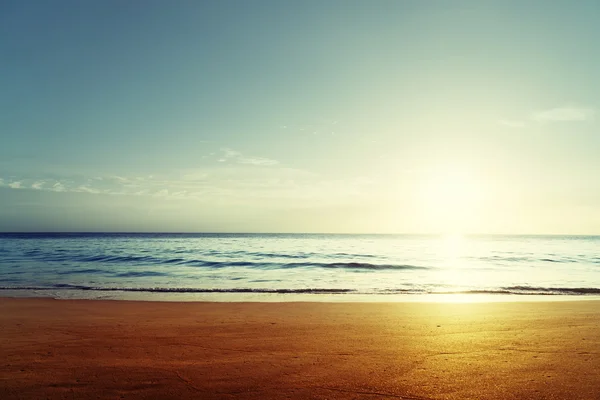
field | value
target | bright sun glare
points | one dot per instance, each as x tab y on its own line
451	200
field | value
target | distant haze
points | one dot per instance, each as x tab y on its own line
308	116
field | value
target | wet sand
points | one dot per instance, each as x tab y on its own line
78	349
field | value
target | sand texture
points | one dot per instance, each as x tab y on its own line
77	349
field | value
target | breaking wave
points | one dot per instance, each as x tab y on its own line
514	290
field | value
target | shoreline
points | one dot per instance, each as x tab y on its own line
237	297
256	350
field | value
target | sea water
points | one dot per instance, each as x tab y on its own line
376	267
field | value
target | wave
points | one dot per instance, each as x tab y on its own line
199	262
271	265
550	290
524	259
251	264
180	290
512	290
117	259
355	265
153	260
139	274
80	271
528	290
304	255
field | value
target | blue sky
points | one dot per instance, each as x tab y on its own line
308	116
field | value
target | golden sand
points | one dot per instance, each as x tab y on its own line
78	349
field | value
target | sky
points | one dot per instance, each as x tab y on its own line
337	116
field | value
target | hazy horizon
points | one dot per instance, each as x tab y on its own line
443	237
402	117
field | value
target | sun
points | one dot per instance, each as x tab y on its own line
451	199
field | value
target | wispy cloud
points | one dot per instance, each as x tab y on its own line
552	115
119	179
59	187
38	185
563	114
87	189
236	156
229	183
258	161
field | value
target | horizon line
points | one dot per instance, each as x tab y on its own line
287	233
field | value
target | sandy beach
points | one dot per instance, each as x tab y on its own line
78	349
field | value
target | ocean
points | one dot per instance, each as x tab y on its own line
289	267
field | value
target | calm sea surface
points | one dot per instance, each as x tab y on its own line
156	266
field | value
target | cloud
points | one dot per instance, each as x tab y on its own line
229	153
552	115
37	185
257	161
59	187
120	179
180	195
233	184
236	156
563	114
107	185
87	189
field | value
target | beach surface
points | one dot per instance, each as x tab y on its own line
82	349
